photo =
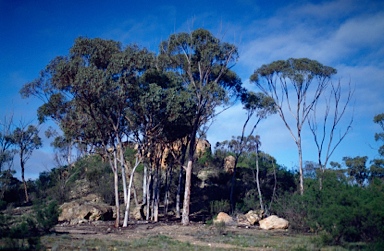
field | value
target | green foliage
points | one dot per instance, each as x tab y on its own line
340	212
357	168
218	206
24	232
99	176
46	216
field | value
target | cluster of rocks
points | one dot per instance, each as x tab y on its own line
252	218
87	209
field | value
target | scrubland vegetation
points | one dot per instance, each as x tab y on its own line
137	122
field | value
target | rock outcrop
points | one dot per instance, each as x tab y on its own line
229	164
250	218
202	146
90	208
273	222
224	217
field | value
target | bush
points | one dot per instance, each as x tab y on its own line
340	212
47	216
218	206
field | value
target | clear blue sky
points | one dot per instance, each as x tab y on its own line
346	34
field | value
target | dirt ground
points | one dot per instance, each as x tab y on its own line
199	234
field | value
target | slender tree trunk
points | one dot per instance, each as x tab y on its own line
258	179
135	195
127	207
145	179
23	179
180	180
168	181
274	185
188	174
123	171
300	150
233	183
149	203
156	196
116	183
187	194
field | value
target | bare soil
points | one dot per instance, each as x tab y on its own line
196	234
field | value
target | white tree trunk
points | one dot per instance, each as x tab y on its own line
127	206
187	194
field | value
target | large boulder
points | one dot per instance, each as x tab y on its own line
225	218
83	210
229	164
202	146
250	218
254	217
273	222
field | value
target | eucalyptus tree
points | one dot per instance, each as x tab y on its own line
203	63
335	108
357	168
6	152
87	93
379	119
257	106
377	167
296	85
26	139
162	111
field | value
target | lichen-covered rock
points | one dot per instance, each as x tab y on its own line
224	217
88	209
254	217
273	222
202	146
250	218
229	164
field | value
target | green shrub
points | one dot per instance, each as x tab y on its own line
218	206
47	216
340	212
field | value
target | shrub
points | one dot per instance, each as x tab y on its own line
46	216
340	212
218	206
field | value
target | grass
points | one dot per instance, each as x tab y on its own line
226	238
160	242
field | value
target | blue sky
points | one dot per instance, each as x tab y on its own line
345	34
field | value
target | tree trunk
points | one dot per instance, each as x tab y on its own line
149	185
135	195
187	194
117	203
233	183
127	207
145	179
116	183
156	196
188	173
168	181
300	165
123	174
180	181
23	179
258	180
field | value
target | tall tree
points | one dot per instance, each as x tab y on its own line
325	138
295	85
6	152
88	93
377	167
357	168
257	105
26	139
203	62
379	119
